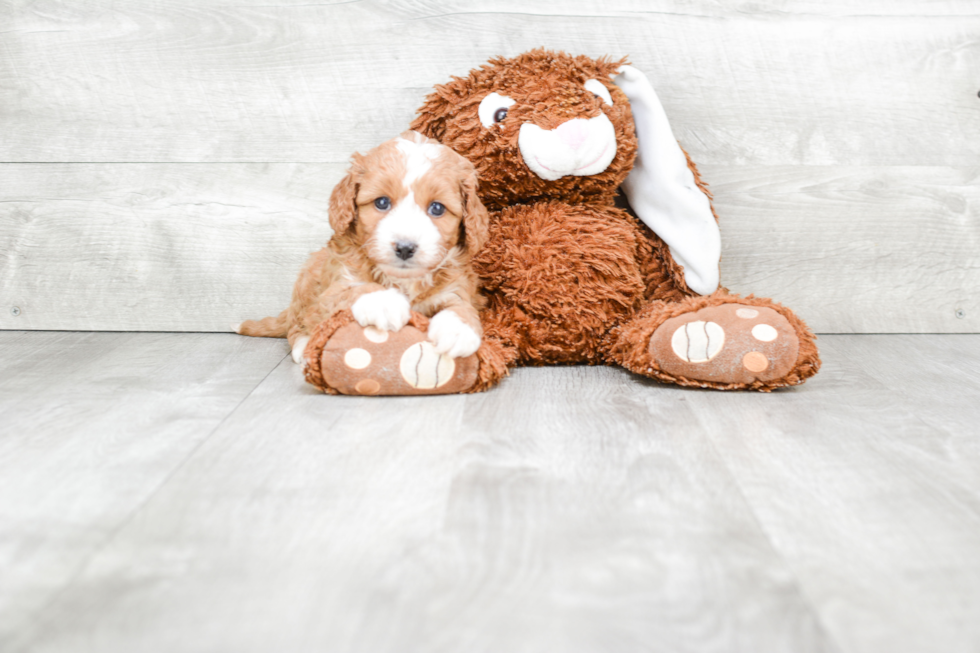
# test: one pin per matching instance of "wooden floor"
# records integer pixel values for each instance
(187, 492)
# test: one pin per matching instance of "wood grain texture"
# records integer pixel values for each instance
(92, 426)
(853, 249)
(869, 483)
(156, 247)
(183, 247)
(573, 510)
(765, 83)
(840, 140)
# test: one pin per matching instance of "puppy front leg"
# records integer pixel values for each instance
(298, 347)
(307, 315)
(456, 331)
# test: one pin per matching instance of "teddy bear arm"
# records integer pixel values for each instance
(663, 276)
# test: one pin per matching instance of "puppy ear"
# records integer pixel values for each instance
(663, 191)
(343, 202)
(476, 221)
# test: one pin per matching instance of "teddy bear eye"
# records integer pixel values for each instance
(599, 90)
(493, 109)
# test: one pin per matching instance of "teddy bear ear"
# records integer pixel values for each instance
(435, 112)
(663, 191)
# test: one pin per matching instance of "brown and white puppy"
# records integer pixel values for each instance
(406, 221)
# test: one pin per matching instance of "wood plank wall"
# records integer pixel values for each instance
(165, 164)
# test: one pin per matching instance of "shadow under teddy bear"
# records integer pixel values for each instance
(569, 277)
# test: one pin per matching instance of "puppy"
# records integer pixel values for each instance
(406, 221)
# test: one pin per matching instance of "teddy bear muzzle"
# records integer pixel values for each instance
(579, 147)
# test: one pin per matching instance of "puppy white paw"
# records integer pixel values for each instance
(298, 348)
(386, 309)
(451, 336)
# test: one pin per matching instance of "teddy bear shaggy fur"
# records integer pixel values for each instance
(570, 275)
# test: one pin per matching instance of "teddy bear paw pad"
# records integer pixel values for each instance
(729, 343)
(370, 361)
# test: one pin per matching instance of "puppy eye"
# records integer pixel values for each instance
(599, 90)
(382, 203)
(436, 209)
(493, 109)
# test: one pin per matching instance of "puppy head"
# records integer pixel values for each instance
(411, 204)
(541, 125)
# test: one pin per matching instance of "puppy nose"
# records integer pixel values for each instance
(573, 133)
(405, 250)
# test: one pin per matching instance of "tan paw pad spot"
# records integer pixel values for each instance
(374, 334)
(698, 342)
(755, 361)
(368, 387)
(424, 368)
(357, 358)
(764, 333)
(747, 313)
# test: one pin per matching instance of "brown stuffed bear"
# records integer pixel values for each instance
(569, 277)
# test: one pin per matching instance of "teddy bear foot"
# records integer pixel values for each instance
(360, 360)
(346, 358)
(738, 345)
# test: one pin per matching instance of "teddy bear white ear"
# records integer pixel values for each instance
(662, 191)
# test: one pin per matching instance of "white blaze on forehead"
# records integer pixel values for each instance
(418, 158)
(406, 221)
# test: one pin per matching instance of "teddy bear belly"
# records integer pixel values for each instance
(558, 277)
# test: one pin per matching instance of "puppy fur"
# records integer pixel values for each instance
(364, 266)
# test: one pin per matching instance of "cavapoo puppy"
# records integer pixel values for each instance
(406, 221)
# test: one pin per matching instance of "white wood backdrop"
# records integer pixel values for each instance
(165, 165)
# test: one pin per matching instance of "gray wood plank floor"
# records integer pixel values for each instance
(187, 492)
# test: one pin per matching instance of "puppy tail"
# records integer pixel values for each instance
(267, 327)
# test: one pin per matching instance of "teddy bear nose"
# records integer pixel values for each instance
(573, 133)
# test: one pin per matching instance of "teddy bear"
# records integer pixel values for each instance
(603, 245)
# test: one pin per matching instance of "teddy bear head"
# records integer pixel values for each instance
(539, 126)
